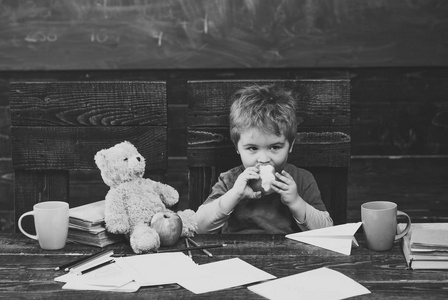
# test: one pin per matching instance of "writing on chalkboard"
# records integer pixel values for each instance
(108, 22)
(224, 33)
(40, 36)
(95, 36)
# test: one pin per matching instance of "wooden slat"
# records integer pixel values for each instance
(88, 103)
(321, 149)
(212, 146)
(6, 186)
(320, 102)
(75, 147)
(200, 182)
(32, 187)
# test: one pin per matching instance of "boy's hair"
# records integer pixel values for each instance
(268, 108)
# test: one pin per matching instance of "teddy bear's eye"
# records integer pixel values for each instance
(126, 159)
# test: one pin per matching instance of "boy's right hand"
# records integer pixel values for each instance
(241, 186)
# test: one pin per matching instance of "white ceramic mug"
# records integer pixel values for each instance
(379, 220)
(51, 223)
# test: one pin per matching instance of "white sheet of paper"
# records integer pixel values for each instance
(111, 275)
(107, 278)
(130, 287)
(158, 268)
(73, 273)
(339, 238)
(322, 283)
(224, 274)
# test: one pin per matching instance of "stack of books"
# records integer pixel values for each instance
(425, 246)
(86, 226)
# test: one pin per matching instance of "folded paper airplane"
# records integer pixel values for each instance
(336, 238)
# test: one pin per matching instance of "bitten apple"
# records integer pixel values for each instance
(267, 176)
(169, 227)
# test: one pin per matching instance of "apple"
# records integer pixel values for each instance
(168, 225)
(263, 184)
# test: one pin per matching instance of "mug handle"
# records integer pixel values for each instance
(408, 225)
(30, 213)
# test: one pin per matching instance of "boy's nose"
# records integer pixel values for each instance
(263, 158)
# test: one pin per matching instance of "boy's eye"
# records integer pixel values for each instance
(252, 148)
(277, 147)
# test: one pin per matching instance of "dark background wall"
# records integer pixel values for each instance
(394, 52)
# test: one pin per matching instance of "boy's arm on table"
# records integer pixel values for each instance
(315, 219)
(210, 217)
(316, 215)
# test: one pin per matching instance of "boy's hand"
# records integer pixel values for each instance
(286, 187)
(241, 186)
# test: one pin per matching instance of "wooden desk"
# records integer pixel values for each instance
(26, 271)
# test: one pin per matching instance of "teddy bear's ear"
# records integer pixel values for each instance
(100, 158)
(129, 145)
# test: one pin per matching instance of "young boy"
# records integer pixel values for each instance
(263, 128)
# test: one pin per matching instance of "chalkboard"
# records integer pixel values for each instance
(166, 34)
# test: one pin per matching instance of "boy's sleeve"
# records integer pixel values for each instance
(316, 215)
(209, 215)
(315, 219)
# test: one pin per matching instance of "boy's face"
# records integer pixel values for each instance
(256, 146)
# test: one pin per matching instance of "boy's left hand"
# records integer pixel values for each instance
(286, 187)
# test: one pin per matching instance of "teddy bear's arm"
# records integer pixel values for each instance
(168, 194)
(116, 217)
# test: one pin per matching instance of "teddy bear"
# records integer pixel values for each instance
(132, 200)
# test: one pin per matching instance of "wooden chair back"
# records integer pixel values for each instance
(57, 127)
(322, 143)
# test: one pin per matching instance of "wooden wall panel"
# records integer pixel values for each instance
(417, 184)
(104, 103)
(74, 148)
(388, 106)
(318, 104)
(394, 111)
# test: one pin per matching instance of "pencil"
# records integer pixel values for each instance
(83, 260)
(67, 265)
(197, 245)
(191, 248)
(96, 267)
(187, 244)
